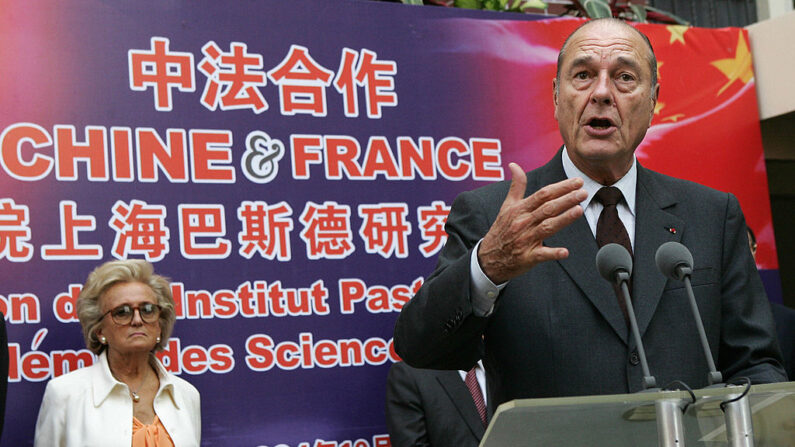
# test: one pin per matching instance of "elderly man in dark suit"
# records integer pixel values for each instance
(516, 285)
(434, 408)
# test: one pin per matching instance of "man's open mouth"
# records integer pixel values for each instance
(600, 123)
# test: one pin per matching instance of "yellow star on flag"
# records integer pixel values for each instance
(659, 64)
(738, 67)
(677, 33)
(674, 117)
(658, 107)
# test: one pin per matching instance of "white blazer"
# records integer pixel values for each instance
(89, 407)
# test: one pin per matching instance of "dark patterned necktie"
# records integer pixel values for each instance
(471, 382)
(610, 229)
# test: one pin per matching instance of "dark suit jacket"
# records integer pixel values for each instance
(785, 328)
(426, 407)
(557, 330)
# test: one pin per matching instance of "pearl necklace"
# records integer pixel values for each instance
(133, 392)
(135, 396)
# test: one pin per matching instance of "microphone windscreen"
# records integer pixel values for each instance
(671, 255)
(612, 258)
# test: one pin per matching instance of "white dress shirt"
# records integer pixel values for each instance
(89, 407)
(483, 292)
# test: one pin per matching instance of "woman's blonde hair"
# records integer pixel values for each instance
(107, 275)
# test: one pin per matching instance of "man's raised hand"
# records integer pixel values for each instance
(515, 242)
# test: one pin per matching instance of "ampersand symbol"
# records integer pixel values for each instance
(260, 163)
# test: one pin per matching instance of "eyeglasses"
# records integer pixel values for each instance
(123, 315)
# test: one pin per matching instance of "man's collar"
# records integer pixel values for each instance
(627, 184)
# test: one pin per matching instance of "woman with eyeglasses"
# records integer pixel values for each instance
(126, 398)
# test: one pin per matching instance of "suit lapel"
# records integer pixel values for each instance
(654, 225)
(581, 263)
(459, 394)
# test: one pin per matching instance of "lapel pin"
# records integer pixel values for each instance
(671, 230)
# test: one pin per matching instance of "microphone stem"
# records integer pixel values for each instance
(700, 326)
(648, 381)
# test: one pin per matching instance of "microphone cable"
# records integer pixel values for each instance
(670, 387)
(747, 382)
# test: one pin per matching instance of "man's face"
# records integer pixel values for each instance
(603, 100)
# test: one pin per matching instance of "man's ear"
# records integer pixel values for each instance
(555, 91)
(555, 96)
(655, 97)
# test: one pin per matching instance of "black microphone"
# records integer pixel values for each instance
(675, 261)
(614, 263)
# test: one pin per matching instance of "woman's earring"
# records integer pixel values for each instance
(103, 340)
(157, 339)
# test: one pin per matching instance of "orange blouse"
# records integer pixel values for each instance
(153, 435)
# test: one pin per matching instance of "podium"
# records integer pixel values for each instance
(645, 419)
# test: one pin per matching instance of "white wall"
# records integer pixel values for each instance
(774, 63)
